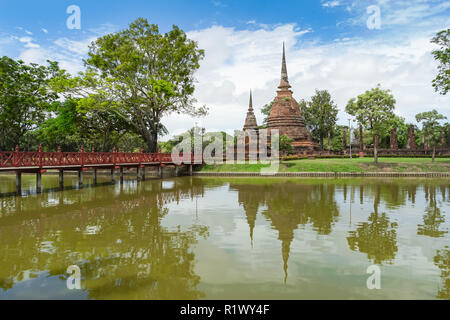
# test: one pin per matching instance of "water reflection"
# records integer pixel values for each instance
(116, 239)
(433, 219)
(377, 238)
(144, 240)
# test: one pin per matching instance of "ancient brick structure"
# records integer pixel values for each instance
(394, 140)
(411, 142)
(250, 121)
(286, 115)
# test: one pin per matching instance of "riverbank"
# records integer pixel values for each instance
(358, 166)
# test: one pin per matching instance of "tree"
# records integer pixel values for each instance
(375, 111)
(266, 111)
(320, 115)
(142, 76)
(442, 82)
(25, 96)
(431, 127)
(286, 144)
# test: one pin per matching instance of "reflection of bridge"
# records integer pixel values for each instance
(39, 162)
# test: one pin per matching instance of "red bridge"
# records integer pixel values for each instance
(39, 162)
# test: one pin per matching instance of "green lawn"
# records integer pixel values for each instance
(343, 165)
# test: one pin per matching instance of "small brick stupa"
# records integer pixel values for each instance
(286, 115)
(250, 121)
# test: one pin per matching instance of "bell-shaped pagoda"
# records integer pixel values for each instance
(286, 115)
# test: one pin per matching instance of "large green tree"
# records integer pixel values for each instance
(142, 76)
(442, 55)
(25, 96)
(431, 127)
(374, 109)
(320, 115)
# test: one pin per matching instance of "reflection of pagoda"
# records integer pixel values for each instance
(288, 206)
(286, 115)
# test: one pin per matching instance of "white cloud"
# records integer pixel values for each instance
(237, 60)
(44, 30)
(331, 4)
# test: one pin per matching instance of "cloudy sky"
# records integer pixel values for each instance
(343, 46)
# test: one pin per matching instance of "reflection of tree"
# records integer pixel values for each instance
(442, 260)
(121, 245)
(432, 219)
(377, 237)
(288, 206)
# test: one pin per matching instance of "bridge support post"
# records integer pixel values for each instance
(95, 176)
(177, 171)
(112, 175)
(61, 179)
(121, 175)
(39, 182)
(138, 173)
(19, 182)
(80, 179)
(190, 170)
(143, 173)
(160, 172)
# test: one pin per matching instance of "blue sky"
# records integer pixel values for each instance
(329, 46)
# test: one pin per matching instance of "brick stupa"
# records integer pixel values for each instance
(286, 115)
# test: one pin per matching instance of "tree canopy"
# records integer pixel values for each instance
(25, 96)
(320, 115)
(141, 75)
(431, 127)
(442, 55)
(374, 109)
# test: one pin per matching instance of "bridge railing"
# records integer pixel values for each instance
(17, 159)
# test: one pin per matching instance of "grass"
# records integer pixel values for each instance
(343, 165)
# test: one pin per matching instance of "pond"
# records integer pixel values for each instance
(226, 238)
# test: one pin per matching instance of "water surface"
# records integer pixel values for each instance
(226, 238)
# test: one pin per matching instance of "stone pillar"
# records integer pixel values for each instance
(160, 172)
(121, 174)
(61, 179)
(361, 139)
(95, 176)
(143, 173)
(411, 141)
(39, 182)
(80, 179)
(394, 139)
(19, 182)
(344, 139)
(112, 176)
(138, 173)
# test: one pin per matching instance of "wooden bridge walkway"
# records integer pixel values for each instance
(40, 162)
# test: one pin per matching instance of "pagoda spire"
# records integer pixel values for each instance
(284, 84)
(250, 121)
(250, 106)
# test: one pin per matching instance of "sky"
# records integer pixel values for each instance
(343, 46)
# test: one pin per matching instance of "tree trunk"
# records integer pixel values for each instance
(375, 148)
(321, 141)
(434, 152)
(329, 141)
